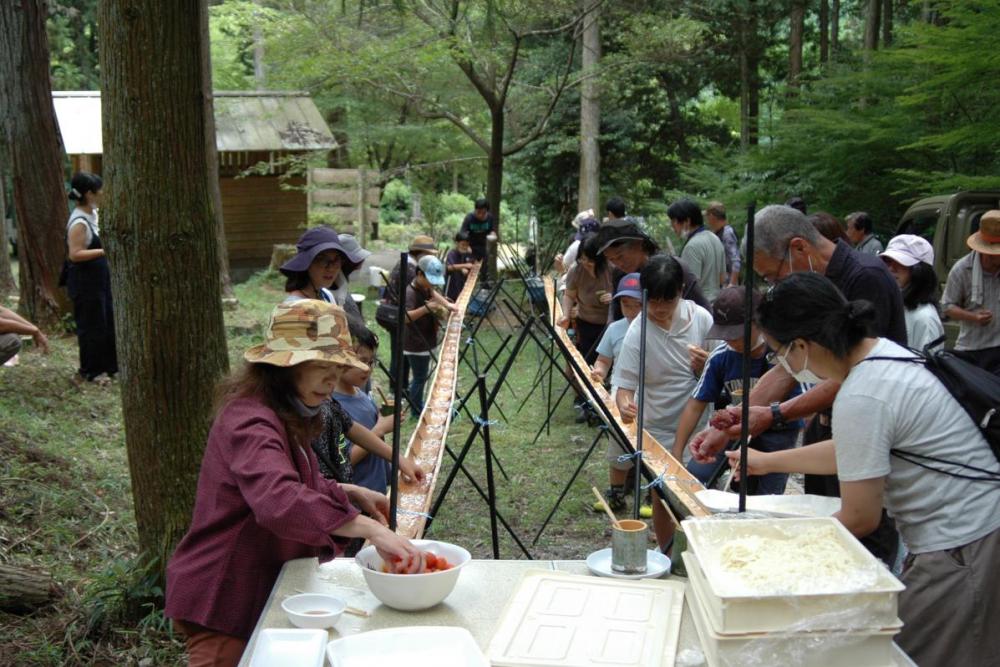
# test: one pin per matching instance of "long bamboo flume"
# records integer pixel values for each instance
(428, 439)
(679, 484)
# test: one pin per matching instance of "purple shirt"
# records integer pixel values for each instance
(261, 501)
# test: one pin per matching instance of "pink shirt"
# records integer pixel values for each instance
(261, 501)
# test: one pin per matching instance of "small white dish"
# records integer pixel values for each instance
(441, 646)
(313, 610)
(280, 647)
(657, 564)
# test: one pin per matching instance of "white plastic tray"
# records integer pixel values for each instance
(792, 505)
(440, 646)
(278, 647)
(562, 620)
(814, 649)
(706, 536)
(738, 615)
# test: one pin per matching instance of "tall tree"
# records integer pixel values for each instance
(749, 59)
(163, 250)
(36, 158)
(796, 29)
(590, 111)
(834, 26)
(824, 31)
(886, 22)
(873, 20)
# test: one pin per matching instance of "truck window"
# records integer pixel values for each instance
(923, 223)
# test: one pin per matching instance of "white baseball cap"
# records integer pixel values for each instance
(909, 250)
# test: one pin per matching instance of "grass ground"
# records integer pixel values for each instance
(66, 508)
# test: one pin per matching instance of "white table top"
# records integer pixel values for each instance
(476, 603)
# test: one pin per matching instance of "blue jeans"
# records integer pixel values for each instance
(772, 483)
(420, 366)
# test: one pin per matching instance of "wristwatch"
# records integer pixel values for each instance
(778, 419)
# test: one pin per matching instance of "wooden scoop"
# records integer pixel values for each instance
(604, 504)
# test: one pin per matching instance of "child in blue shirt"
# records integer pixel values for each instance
(722, 379)
(370, 460)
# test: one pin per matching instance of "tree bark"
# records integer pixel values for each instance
(834, 26)
(749, 80)
(163, 251)
(798, 23)
(36, 158)
(886, 22)
(590, 112)
(824, 31)
(25, 590)
(494, 176)
(873, 19)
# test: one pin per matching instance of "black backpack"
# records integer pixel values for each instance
(976, 390)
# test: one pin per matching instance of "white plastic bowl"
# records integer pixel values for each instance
(298, 608)
(411, 592)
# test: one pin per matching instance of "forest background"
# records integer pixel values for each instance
(851, 105)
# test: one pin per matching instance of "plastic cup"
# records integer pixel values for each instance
(628, 546)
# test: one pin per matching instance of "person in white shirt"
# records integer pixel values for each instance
(674, 325)
(900, 439)
(910, 260)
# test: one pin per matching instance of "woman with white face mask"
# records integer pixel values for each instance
(901, 440)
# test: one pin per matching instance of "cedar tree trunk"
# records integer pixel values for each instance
(590, 112)
(798, 22)
(834, 26)
(161, 228)
(7, 284)
(824, 31)
(873, 18)
(37, 161)
(886, 22)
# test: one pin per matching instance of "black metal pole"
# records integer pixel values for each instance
(641, 402)
(747, 345)
(397, 411)
(491, 491)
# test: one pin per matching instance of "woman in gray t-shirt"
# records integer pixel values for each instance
(901, 440)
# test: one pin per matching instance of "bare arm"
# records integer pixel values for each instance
(817, 459)
(685, 425)
(816, 399)
(601, 368)
(963, 315)
(625, 399)
(78, 245)
(362, 437)
(11, 322)
(568, 301)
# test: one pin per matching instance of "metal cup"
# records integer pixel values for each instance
(628, 546)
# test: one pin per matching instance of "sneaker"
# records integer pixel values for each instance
(615, 497)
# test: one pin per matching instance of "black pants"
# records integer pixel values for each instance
(987, 358)
(883, 543)
(588, 335)
(95, 333)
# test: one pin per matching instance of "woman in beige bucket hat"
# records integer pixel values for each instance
(261, 499)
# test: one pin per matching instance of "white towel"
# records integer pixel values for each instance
(976, 297)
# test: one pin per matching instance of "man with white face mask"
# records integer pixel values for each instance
(786, 242)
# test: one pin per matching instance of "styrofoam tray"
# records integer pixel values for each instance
(814, 649)
(707, 535)
(441, 646)
(563, 620)
(792, 505)
(738, 615)
(278, 647)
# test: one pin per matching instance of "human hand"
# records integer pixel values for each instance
(761, 419)
(597, 375)
(605, 297)
(756, 462)
(41, 340)
(707, 444)
(698, 357)
(410, 470)
(564, 322)
(982, 317)
(375, 505)
(629, 412)
(399, 553)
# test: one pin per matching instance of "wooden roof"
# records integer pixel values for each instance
(244, 121)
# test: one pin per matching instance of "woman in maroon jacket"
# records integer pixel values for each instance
(261, 499)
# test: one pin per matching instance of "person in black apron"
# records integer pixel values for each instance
(88, 282)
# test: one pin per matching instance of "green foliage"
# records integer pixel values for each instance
(395, 205)
(72, 33)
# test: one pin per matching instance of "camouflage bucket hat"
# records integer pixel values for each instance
(306, 330)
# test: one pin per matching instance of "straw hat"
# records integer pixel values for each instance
(422, 244)
(306, 330)
(987, 239)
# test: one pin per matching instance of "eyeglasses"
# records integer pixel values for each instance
(328, 262)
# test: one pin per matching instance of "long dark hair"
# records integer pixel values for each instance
(923, 287)
(810, 307)
(275, 387)
(589, 248)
